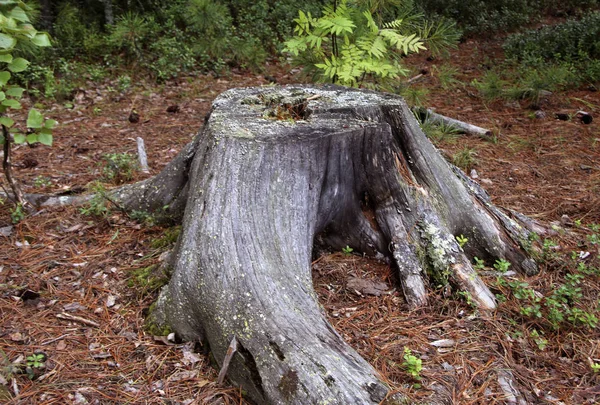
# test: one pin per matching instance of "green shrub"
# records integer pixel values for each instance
(482, 16)
(119, 167)
(571, 40)
(486, 17)
(573, 47)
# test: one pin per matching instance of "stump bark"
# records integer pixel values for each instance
(274, 168)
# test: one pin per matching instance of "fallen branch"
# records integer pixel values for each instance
(69, 317)
(428, 114)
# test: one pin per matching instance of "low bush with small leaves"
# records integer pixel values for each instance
(119, 167)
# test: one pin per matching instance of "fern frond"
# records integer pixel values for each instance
(396, 24)
(374, 46)
(370, 22)
(336, 25)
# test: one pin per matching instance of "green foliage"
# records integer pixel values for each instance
(564, 304)
(413, 95)
(447, 76)
(567, 41)
(119, 168)
(17, 214)
(36, 360)
(348, 46)
(42, 182)
(479, 263)
(491, 86)
(539, 339)
(465, 158)
(97, 205)
(412, 364)
(351, 45)
(462, 240)
(167, 239)
(486, 17)
(16, 34)
(347, 250)
(502, 265)
(440, 132)
(572, 47)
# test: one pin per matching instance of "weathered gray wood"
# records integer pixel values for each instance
(464, 127)
(273, 168)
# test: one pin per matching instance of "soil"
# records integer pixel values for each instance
(74, 288)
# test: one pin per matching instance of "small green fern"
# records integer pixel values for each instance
(347, 46)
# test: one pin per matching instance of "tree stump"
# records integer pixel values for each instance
(275, 167)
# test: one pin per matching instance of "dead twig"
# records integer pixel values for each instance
(69, 317)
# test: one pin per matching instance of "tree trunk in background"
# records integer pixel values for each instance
(46, 15)
(109, 17)
(272, 169)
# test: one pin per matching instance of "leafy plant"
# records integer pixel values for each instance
(347, 46)
(491, 87)
(479, 263)
(97, 205)
(347, 250)
(538, 338)
(36, 360)
(412, 364)
(462, 240)
(447, 76)
(17, 32)
(502, 265)
(119, 167)
(17, 214)
(41, 182)
(414, 96)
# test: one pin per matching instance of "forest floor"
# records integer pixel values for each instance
(74, 288)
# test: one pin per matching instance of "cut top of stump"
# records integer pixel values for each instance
(269, 113)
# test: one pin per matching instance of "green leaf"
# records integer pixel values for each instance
(19, 138)
(7, 121)
(18, 14)
(2, 95)
(45, 139)
(50, 123)
(31, 138)
(7, 41)
(14, 104)
(7, 58)
(1, 139)
(35, 119)
(41, 39)
(18, 65)
(4, 77)
(16, 92)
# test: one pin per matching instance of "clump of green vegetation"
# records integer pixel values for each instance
(17, 214)
(465, 158)
(98, 204)
(485, 17)
(168, 238)
(412, 364)
(564, 304)
(149, 279)
(351, 45)
(566, 54)
(119, 168)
